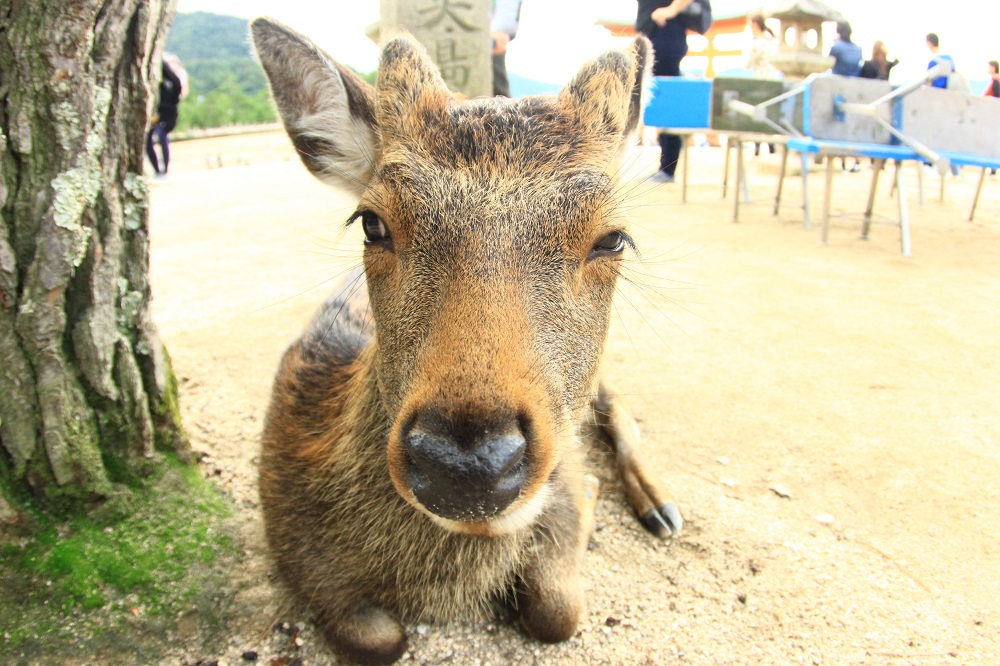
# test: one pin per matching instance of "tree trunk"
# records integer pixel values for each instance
(87, 396)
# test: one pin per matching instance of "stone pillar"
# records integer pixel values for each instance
(456, 34)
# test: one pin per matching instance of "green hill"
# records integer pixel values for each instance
(226, 85)
(201, 36)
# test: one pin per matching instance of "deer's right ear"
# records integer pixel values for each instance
(327, 109)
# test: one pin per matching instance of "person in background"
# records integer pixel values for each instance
(847, 62)
(993, 87)
(934, 45)
(846, 53)
(657, 19)
(880, 65)
(171, 91)
(758, 57)
(178, 68)
(763, 45)
(503, 28)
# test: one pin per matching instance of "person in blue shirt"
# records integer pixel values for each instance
(934, 44)
(847, 62)
(847, 53)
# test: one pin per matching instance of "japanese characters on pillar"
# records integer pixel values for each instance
(456, 34)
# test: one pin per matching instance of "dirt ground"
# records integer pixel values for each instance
(825, 415)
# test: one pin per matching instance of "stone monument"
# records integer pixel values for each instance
(456, 34)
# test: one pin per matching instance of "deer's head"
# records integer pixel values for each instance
(492, 247)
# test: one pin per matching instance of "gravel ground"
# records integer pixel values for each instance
(826, 416)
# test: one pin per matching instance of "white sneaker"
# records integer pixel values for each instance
(660, 177)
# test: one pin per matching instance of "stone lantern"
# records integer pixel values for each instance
(799, 51)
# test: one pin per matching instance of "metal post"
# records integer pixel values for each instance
(920, 182)
(781, 177)
(876, 168)
(979, 189)
(725, 167)
(807, 221)
(685, 145)
(739, 177)
(904, 225)
(828, 196)
(743, 174)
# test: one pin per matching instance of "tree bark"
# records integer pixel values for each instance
(87, 396)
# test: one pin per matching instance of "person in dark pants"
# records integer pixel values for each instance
(165, 120)
(657, 19)
(503, 28)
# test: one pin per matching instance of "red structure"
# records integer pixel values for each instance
(731, 23)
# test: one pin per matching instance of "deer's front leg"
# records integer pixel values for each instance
(652, 504)
(367, 635)
(550, 599)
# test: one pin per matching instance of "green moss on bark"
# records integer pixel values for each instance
(169, 432)
(166, 552)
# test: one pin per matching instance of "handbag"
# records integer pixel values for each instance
(697, 16)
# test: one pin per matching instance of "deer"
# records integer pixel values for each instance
(421, 457)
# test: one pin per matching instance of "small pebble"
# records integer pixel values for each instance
(824, 518)
(779, 490)
(249, 655)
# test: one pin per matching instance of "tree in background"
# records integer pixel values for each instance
(227, 86)
(87, 395)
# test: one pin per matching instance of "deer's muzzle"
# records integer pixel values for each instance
(463, 474)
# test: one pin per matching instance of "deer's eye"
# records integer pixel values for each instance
(610, 245)
(373, 226)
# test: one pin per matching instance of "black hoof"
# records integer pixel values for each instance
(664, 522)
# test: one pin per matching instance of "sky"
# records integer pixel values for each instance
(556, 36)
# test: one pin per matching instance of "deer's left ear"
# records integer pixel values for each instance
(642, 52)
(605, 97)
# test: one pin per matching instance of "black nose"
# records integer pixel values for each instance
(461, 474)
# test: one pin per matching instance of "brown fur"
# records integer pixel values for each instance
(490, 306)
